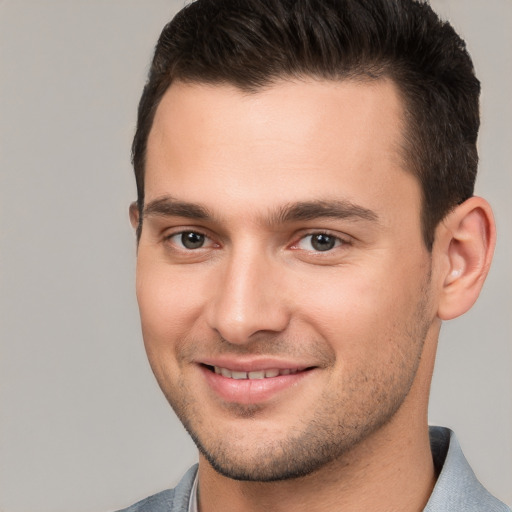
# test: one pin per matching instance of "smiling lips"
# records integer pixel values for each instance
(251, 386)
(254, 375)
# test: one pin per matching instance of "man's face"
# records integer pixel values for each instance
(283, 283)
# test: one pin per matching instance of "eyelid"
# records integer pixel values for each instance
(169, 235)
(343, 239)
(211, 242)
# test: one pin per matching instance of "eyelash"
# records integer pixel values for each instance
(168, 239)
(337, 241)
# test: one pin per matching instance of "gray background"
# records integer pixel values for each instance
(83, 425)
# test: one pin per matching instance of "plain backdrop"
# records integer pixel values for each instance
(83, 426)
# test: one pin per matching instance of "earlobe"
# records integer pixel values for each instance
(466, 245)
(134, 215)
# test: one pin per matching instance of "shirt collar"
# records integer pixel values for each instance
(457, 487)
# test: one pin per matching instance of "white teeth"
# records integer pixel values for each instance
(260, 374)
(256, 375)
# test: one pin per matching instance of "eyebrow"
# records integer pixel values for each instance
(300, 211)
(311, 210)
(169, 207)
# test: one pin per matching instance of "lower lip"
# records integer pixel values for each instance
(251, 391)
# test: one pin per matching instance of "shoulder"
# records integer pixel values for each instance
(170, 500)
(457, 488)
(161, 502)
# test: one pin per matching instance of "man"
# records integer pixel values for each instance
(305, 221)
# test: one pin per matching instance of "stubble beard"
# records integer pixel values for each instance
(343, 420)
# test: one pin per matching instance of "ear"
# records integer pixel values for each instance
(134, 215)
(464, 246)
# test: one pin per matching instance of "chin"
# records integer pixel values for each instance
(268, 458)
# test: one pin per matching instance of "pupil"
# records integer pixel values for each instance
(323, 242)
(192, 240)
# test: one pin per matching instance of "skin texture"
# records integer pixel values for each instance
(251, 180)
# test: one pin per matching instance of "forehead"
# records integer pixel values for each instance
(292, 141)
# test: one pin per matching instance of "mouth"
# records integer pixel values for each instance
(253, 385)
(253, 375)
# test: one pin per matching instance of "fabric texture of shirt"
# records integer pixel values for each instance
(192, 503)
(457, 488)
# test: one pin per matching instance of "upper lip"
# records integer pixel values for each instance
(254, 365)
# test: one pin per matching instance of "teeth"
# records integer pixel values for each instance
(260, 374)
(256, 375)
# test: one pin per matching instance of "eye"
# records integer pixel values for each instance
(189, 240)
(320, 242)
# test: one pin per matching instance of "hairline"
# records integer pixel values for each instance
(364, 74)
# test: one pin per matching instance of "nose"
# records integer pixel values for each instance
(249, 299)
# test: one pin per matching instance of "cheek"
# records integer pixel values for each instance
(166, 303)
(364, 315)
